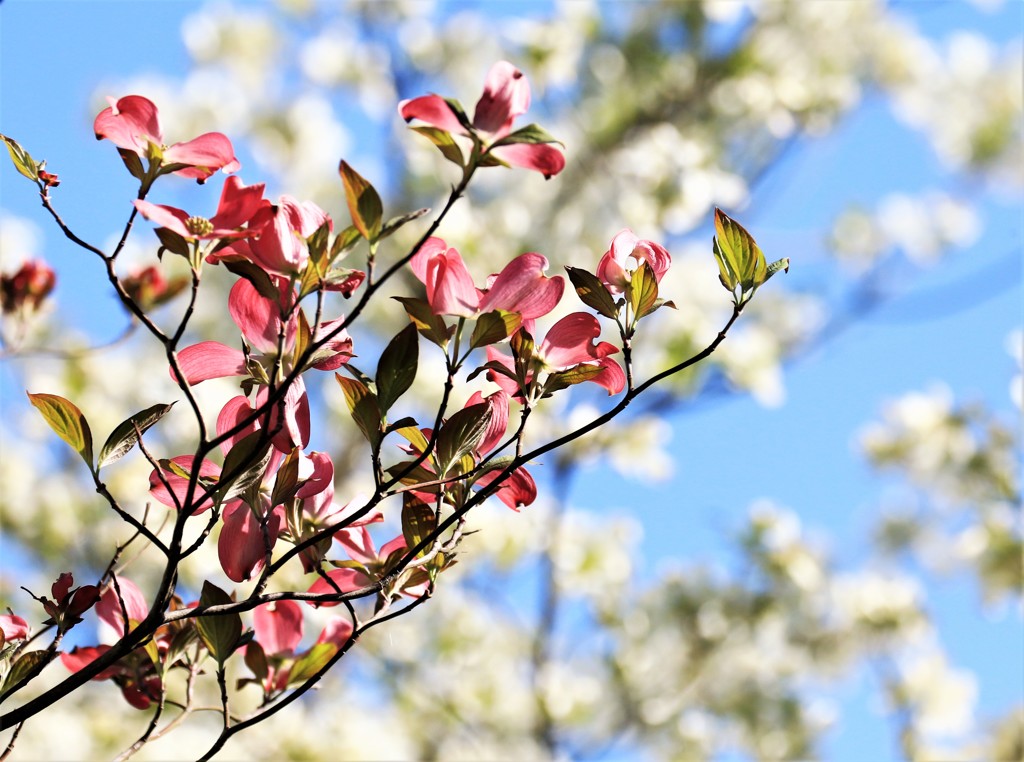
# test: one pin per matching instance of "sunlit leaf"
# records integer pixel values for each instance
(124, 437)
(67, 422)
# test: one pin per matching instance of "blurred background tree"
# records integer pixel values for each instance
(654, 604)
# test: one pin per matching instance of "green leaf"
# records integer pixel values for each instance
(311, 662)
(523, 348)
(286, 482)
(395, 223)
(364, 203)
(432, 326)
(23, 162)
(256, 660)
(460, 434)
(172, 242)
(492, 327)
(219, 633)
(532, 133)
(737, 253)
(397, 367)
(416, 476)
(362, 404)
(643, 291)
(575, 375)
(67, 422)
(344, 241)
(21, 669)
(774, 267)
(317, 245)
(244, 465)
(418, 521)
(123, 438)
(257, 276)
(592, 292)
(414, 436)
(444, 142)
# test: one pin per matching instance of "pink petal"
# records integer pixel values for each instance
(522, 287)
(234, 410)
(506, 96)
(569, 342)
(258, 318)
(241, 547)
(277, 249)
(62, 586)
(337, 631)
(78, 658)
(135, 604)
(393, 546)
(203, 156)
(612, 377)
(316, 471)
(340, 345)
(432, 109)
(209, 359)
(238, 203)
(517, 490)
(306, 217)
(293, 429)
(179, 484)
(346, 580)
(540, 157)
(358, 544)
(168, 217)
(13, 627)
(278, 626)
(450, 288)
(431, 248)
(497, 425)
(131, 123)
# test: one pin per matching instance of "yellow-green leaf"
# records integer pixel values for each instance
(67, 422)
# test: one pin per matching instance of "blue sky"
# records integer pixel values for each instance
(949, 326)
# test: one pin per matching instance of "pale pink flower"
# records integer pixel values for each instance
(625, 255)
(133, 124)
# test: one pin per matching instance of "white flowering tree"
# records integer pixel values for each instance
(551, 638)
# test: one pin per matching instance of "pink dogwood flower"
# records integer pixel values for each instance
(259, 320)
(506, 95)
(520, 287)
(12, 627)
(135, 674)
(373, 563)
(133, 124)
(569, 342)
(24, 291)
(626, 254)
(279, 246)
(238, 203)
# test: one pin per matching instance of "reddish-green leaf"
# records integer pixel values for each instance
(311, 662)
(364, 203)
(244, 465)
(67, 422)
(643, 291)
(124, 437)
(397, 367)
(444, 142)
(532, 133)
(362, 404)
(492, 327)
(257, 276)
(23, 162)
(21, 669)
(418, 521)
(220, 633)
(460, 434)
(592, 292)
(432, 326)
(172, 242)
